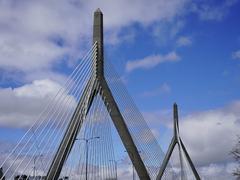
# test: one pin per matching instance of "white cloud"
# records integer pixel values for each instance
(38, 89)
(184, 41)
(217, 171)
(236, 54)
(28, 34)
(216, 12)
(209, 137)
(21, 106)
(125, 172)
(166, 32)
(151, 61)
(116, 37)
(34, 35)
(31, 31)
(163, 89)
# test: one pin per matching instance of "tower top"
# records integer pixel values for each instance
(175, 119)
(98, 38)
(98, 10)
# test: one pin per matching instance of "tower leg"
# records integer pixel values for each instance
(123, 132)
(71, 132)
(182, 172)
(166, 159)
(190, 162)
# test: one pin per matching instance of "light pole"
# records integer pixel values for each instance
(87, 140)
(115, 165)
(131, 154)
(34, 164)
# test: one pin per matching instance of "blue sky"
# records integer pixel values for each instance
(184, 51)
(206, 76)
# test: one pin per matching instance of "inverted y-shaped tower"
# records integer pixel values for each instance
(85, 102)
(176, 140)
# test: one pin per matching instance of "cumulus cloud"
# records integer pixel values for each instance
(34, 35)
(209, 137)
(184, 41)
(217, 171)
(26, 35)
(151, 61)
(21, 106)
(236, 55)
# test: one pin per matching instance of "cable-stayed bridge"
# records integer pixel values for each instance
(73, 136)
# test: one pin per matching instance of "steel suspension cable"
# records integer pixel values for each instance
(20, 151)
(46, 108)
(131, 108)
(29, 150)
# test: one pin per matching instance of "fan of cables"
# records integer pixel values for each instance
(33, 154)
